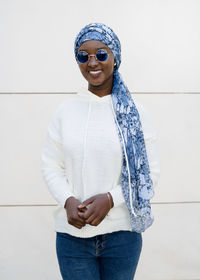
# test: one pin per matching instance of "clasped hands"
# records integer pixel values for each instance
(92, 211)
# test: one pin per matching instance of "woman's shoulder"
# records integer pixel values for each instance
(65, 110)
(71, 101)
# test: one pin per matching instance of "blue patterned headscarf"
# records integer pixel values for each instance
(137, 186)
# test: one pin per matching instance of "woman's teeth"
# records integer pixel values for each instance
(95, 72)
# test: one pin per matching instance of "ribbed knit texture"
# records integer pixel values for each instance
(82, 157)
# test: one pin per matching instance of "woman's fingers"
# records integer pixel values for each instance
(76, 221)
(90, 219)
(90, 211)
(79, 224)
(98, 208)
(81, 214)
(95, 222)
(82, 209)
(72, 212)
(85, 203)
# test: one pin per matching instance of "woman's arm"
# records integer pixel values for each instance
(52, 161)
(53, 170)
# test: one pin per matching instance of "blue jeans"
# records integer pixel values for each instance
(111, 256)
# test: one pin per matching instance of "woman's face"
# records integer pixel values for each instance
(98, 74)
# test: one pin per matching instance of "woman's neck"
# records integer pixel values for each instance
(101, 90)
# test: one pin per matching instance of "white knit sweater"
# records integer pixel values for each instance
(82, 157)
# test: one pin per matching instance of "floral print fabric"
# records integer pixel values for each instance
(137, 186)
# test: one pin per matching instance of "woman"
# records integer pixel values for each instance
(100, 163)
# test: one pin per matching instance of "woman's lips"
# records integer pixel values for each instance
(95, 73)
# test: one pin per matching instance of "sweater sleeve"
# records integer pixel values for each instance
(150, 138)
(117, 195)
(52, 163)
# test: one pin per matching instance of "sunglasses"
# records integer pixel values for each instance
(100, 55)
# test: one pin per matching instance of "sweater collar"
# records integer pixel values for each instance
(85, 92)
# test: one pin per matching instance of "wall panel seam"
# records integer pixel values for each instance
(150, 92)
(41, 205)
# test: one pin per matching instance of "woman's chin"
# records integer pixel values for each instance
(94, 83)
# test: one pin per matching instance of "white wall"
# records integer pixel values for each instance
(160, 42)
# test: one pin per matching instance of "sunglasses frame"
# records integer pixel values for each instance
(89, 55)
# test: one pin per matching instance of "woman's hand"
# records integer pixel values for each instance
(99, 206)
(71, 206)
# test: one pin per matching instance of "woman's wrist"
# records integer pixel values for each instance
(67, 200)
(111, 203)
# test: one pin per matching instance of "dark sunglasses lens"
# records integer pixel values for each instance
(102, 55)
(82, 57)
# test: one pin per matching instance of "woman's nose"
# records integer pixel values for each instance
(92, 61)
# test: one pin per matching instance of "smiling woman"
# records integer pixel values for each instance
(100, 163)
